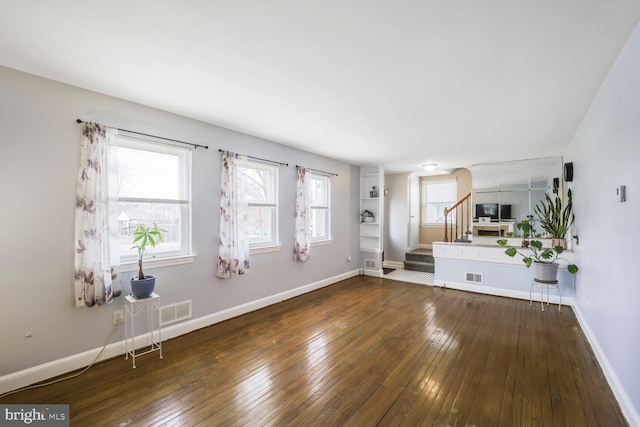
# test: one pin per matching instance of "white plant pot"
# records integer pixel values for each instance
(546, 271)
(368, 219)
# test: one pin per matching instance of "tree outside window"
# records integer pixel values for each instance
(260, 193)
(153, 182)
(320, 209)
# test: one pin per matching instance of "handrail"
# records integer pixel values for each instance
(447, 211)
(458, 203)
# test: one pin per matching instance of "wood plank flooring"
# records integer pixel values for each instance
(363, 352)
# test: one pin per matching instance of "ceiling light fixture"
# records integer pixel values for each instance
(429, 166)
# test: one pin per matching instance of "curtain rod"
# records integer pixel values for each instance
(156, 136)
(316, 170)
(258, 158)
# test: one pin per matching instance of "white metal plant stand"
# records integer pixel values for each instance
(543, 284)
(134, 306)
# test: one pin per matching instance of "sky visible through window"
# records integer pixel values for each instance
(146, 174)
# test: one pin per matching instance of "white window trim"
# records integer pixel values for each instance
(256, 250)
(322, 242)
(274, 246)
(157, 262)
(328, 238)
(168, 258)
(440, 181)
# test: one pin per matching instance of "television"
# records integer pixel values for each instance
(491, 210)
(505, 211)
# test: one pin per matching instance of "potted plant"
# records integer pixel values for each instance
(366, 216)
(544, 259)
(143, 285)
(526, 225)
(556, 219)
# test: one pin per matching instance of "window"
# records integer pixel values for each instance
(320, 212)
(154, 187)
(261, 194)
(436, 197)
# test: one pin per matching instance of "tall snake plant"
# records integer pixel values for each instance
(553, 217)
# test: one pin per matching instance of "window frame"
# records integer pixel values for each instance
(157, 256)
(274, 243)
(424, 184)
(327, 238)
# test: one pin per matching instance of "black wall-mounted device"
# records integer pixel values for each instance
(568, 172)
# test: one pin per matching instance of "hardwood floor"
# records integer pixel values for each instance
(366, 351)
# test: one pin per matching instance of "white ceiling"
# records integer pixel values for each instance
(398, 83)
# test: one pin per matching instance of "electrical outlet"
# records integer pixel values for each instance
(117, 317)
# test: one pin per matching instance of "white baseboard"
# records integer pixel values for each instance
(510, 293)
(57, 367)
(629, 411)
(211, 319)
(393, 264)
(622, 397)
(374, 273)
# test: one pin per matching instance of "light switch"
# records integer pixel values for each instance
(621, 193)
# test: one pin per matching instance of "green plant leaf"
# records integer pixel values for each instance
(536, 244)
(528, 261)
(572, 268)
(547, 254)
(511, 252)
(502, 242)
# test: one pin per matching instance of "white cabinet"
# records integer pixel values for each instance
(372, 200)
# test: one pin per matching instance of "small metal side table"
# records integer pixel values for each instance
(134, 306)
(543, 284)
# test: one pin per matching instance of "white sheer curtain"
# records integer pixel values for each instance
(233, 242)
(302, 247)
(97, 259)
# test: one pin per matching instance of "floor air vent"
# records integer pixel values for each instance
(473, 277)
(370, 264)
(175, 312)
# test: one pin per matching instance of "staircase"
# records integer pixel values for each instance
(420, 260)
(465, 238)
(457, 229)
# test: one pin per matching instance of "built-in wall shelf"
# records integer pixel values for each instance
(372, 199)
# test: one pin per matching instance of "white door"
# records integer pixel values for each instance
(414, 212)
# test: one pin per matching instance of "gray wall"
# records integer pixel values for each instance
(501, 276)
(605, 152)
(39, 155)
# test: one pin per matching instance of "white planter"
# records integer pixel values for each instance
(368, 219)
(546, 271)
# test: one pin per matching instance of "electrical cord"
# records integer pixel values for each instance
(9, 393)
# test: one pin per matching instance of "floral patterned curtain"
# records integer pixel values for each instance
(97, 258)
(233, 243)
(302, 247)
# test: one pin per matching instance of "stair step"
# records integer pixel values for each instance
(427, 267)
(462, 241)
(420, 256)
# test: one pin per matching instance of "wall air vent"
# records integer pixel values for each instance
(370, 264)
(473, 277)
(175, 312)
